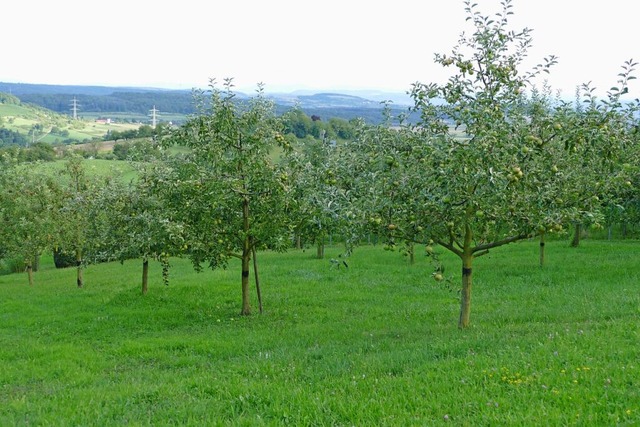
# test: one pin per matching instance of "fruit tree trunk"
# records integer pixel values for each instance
(542, 243)
(576, 237)
(320, 248)
(145, 276)
(467, 261)
(465, 299)
(246, 258)
(79, 275)
(30, 274)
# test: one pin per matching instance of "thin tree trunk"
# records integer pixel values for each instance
(145, 275)
(246, 258)
(79, 275)
(467, 262)
(609, 232)
(30, 274)
(624, 230)
(255, 273)
(320, 248)
(412, 254)
(542, 249)
(576, 236)
(298, 241)
(465, 299)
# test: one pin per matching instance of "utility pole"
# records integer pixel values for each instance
(154, 118)
(74, 108)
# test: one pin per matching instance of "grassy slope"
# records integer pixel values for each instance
(376, 344)
(21, 118)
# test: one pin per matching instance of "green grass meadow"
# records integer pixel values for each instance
(375, 344)
(94, 167)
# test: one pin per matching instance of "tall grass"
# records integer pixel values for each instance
(376, 343)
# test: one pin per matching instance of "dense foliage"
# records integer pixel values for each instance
(9, 137)
(228, 190)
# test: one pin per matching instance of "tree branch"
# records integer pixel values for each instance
(495, 244)
(450, 247)
(479, 254)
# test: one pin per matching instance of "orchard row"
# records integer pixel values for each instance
(492, 159)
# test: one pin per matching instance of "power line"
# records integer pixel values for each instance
(154, 118)
(74, 108)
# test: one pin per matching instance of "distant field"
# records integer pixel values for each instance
(376, 344)
(100, 129)
(8, 110)
(140, 118)
(21, 119)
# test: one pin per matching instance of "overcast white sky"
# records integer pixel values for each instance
(293, 44)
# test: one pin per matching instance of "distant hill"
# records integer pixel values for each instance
(139, 100)
(324, 100)
(400, 99)
(19, 89)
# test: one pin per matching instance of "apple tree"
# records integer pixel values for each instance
(71, 212)
(6, 167)
(26, 220)
(311, 171)
(230, 191)
(130, 220)
(602, 137)
(383, 167)
(484, 164)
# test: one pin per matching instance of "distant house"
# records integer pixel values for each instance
(103, 121)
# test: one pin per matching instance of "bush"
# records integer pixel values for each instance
(10, 266)
(136, 150)
(63, 259)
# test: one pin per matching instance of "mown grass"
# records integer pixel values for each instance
(374, 344)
